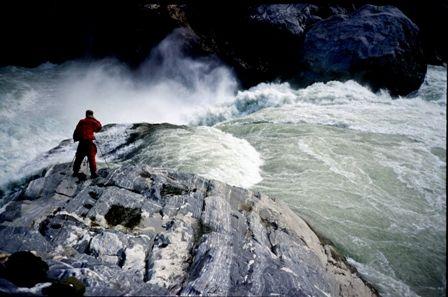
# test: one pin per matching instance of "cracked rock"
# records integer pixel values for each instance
(138, 230)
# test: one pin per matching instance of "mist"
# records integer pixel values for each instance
(168, 87)
(41, 106)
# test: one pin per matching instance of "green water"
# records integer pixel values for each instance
(356, 188)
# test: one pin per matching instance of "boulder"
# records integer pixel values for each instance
(376, 45)
(261, 42)
(139, 230)
(305, 43)
(294, 18)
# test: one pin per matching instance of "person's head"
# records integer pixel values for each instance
(89, 113)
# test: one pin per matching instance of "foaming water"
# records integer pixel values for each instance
(346, 105)
(206, 151)
(41, 106)
(367, 171)
(110, 139)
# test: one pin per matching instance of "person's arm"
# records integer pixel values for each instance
(76, 132)
(98, 126)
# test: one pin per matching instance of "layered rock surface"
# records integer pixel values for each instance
(138, 230)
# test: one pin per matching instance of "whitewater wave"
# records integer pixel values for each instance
(42, 105)
(107, 141)
(394, 288)
(365, 169)
(343, 104)
(205, 151)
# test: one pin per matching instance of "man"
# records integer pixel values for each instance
(84, 133)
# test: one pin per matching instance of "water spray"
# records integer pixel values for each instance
(102, 155)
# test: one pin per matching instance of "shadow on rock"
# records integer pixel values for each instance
(128, 217)
(24, 269)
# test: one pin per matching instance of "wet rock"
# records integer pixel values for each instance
(12, 211)
(145, 231)
(34, 189)
(294, 18)
(17, 238)
(309, 42)
(273, 31)
(376, 45)
(70, 286)
(171, 190)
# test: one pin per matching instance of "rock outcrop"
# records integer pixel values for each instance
(261, 42)
(376, 45)
(246, 35)
(306, 43)
(139, 230)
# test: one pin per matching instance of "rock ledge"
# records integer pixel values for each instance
(138, 230)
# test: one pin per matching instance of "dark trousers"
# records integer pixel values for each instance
(86, 148)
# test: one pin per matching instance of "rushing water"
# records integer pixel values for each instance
(367, 171)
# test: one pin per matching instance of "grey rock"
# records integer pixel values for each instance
(35, 188)
(293, 18)
(377, 45)
(7, 287)
(23, 238)
(309, 42)
(13, 209)
(235, 32)
(195, 237)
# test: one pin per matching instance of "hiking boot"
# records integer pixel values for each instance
(94, 175)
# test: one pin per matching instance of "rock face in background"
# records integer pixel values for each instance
(143, 231)
(376, 45)
(306, 43)
(34, 32)
(429, 16)
(262, 41)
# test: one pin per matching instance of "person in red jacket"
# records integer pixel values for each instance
(84, 133)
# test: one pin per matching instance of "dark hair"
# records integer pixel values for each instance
(89, 113)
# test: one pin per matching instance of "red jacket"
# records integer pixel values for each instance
(85, 129)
